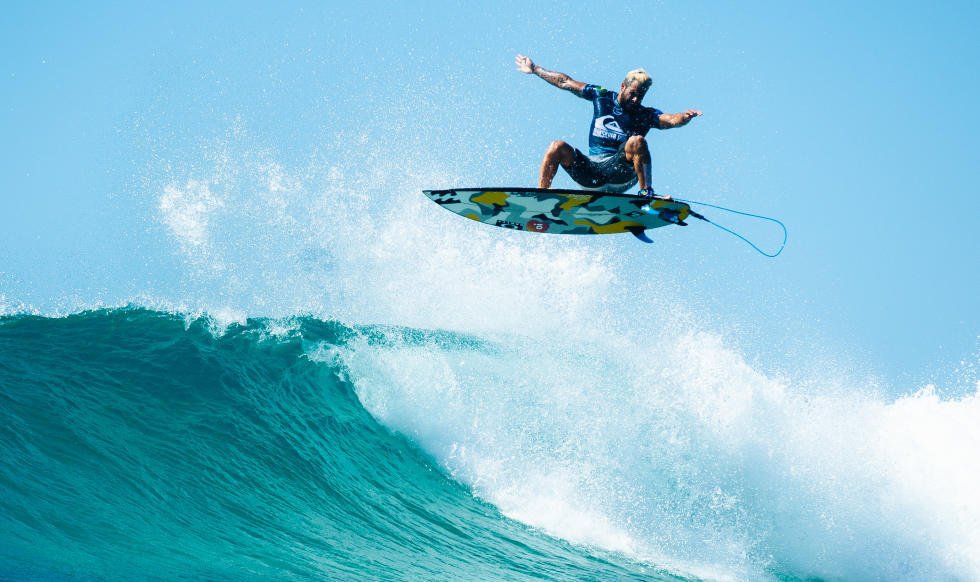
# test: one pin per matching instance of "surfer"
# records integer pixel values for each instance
(618, 153)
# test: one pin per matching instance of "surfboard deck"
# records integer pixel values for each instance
(557, 211)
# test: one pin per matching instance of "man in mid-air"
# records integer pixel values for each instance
(618, 153)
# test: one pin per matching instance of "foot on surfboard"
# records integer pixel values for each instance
(649, 193)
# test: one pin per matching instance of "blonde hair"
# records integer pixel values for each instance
(638, 76)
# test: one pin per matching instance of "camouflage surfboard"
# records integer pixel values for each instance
(561, 211)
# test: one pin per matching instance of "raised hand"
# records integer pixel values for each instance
(524, 64)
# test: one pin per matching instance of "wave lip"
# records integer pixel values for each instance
(689, 458)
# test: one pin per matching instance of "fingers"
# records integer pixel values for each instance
(523, 63)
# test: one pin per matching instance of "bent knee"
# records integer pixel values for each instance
(636, 146)
(636, 143)
(559, 151)
(558, 146)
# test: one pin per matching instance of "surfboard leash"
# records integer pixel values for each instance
(732, 232)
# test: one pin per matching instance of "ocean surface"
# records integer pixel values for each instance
(137, 443)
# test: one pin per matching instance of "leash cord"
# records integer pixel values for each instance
(732, 232)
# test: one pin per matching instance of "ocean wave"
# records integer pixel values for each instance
(142, 443)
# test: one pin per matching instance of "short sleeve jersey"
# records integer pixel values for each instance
(611, 126)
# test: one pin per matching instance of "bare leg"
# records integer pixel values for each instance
(559, 153)
(638, 154)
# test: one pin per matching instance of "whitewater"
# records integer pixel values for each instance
(349, 382)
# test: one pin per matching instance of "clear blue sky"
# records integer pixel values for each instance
(856, 124)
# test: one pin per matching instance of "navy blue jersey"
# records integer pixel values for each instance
(611, 126)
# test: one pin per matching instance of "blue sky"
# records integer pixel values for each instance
(854, 124)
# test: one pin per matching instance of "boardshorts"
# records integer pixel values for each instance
(606, 172)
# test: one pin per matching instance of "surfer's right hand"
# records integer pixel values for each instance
(524, 64)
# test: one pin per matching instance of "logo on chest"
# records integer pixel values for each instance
(606, 127)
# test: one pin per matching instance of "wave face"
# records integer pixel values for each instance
(138, 443)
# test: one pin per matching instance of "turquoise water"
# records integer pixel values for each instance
(138, 443)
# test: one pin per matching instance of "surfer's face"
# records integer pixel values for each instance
(631, 95)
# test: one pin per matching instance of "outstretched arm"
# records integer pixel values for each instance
(669, 120)
(560, 80)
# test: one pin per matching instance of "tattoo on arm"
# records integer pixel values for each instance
(560, 80)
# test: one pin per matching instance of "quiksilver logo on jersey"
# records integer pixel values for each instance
(606, 127)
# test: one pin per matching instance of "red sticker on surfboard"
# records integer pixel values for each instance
(537, 226)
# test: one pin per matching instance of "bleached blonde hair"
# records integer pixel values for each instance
(638, 76)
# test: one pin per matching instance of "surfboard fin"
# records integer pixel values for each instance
(641, 234)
